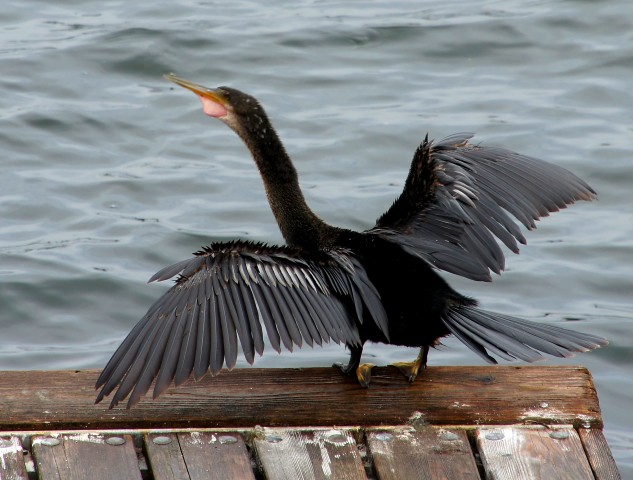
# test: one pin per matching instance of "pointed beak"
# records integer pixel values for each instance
(213, 100)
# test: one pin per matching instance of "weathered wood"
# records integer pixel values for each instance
(599, 454)
(319, 454)
(85, 457)
(425, 454)
(408, 451)
(12, 459)
(165, 457)
(198, 455)
(215, 456)
(501, 395)
(528, 453)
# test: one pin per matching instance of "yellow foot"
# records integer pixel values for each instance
(409, 369)
(363, 373)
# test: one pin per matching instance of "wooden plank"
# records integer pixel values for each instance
(12, 459)
(319, 454)
(425, 454)
(165, 457)
(198, 455)
(243, 398)
(215, 456)
(599, 454)
(86, 456)
(529, 453)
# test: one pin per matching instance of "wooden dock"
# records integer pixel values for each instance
(501, 422)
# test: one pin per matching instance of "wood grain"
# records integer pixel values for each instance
(198, 456)
(12, 459)
(85, 457)
(530, 453)
(319, 455)
(425, 454)
(165, 457)
(215, 456)
(599, 454)
(496, 395)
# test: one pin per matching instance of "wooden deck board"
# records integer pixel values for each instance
(599, 454)
(501, 395)
(198, 456)
(85, 456)
(215, 456)
(12, 459)
(528, 453)
(315, 423)
(164, 456)
(425, 454)
(396, 452)
(318, 454)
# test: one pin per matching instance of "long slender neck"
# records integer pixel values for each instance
(299, 225)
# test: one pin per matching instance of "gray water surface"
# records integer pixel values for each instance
(109, 173)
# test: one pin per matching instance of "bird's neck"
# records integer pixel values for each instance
(299, 225)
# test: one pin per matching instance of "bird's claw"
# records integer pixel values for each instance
(363, 372)
(345, 369)
(409, 369)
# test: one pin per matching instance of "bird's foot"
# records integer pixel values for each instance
(409, 369)
(345, 369)
(362, 372)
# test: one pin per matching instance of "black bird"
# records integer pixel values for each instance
(331, 283)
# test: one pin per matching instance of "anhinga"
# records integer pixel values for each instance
(329, 283)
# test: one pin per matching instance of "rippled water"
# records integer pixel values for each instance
(108, 173)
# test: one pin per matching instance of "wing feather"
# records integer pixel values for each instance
(459, 199)
(236, 291)
(216, 338)
(145, 365)
(203, 343)
(266, 316)
(229, 329)
(251, 311)
(171, 354)
(188, 348)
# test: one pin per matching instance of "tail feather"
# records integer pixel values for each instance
(498, 342)
(513, 338)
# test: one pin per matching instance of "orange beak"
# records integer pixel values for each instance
(214, 103)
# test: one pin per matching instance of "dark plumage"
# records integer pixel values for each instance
(330, 283)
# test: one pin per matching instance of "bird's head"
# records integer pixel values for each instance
(238, 110)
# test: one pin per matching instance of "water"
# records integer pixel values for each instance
(109, 173)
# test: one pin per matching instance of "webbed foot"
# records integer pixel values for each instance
(411, 369)
(363, 374)
(354, 367)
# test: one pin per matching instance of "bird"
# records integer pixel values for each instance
(327, 283)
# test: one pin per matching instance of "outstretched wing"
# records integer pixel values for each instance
(236, 291)
(459, 199)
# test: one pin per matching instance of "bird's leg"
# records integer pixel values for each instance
(411, 369)
(363, 372)
(354, 360)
